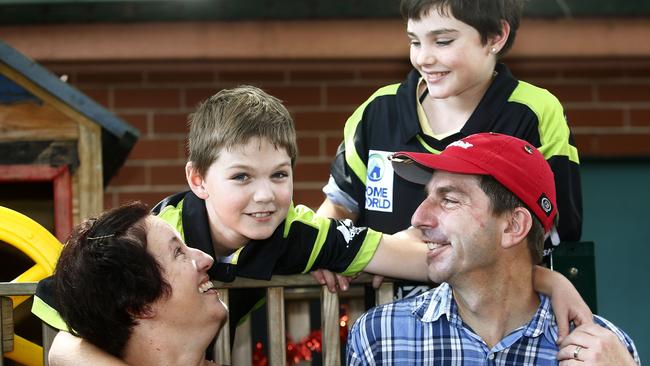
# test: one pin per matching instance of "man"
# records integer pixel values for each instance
(490, 202)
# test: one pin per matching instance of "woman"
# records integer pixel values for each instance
(126, 283)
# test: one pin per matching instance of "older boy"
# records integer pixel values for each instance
(457, 87)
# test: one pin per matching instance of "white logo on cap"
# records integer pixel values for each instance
(460, 143)
(546, 205)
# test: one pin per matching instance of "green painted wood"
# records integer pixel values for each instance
(616, 218)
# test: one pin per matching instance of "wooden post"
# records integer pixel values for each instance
(384, 294)
(49, 333)
(6, 327)
(330, 323)
(276, 331)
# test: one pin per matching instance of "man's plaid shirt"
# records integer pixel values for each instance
(427, 330)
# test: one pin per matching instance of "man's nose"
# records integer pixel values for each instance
(425, 215)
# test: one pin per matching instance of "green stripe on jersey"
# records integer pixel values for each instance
(48, 314)
(365, 254)
(553, 129)
(306, 216)
(174, 217)
(351, 155)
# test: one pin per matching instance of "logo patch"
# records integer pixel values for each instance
(379, 182)
(545, 204)
(348, 230)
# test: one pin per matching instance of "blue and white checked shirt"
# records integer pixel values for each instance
(427, 330)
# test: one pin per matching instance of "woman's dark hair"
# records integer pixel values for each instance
(105, 278)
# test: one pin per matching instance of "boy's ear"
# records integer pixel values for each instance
(195, 181)
(519, 223)
(497, 41)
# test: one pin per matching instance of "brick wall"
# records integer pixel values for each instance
(607, 102)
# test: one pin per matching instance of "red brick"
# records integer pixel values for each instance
(321, 75)
(332, 145)
(613, 145)
(640, 117)
(296, 95)
(130, 176)
(308, 146)
(321, 120)
(571, 92)
(180, 76)
(624, 92)
(157, 149)
(595, 117)
(194, 96)
(168, 175)
(311, 198)
(251, 76)
(137, 120)
(149, 198)
(600, 72)
(147, 98)
(170, 123)
(349, 95)
(99, 95)
(109, 77)
(311, 172)
(109, 199)
(386, 76)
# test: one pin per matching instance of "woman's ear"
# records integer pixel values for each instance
(195, 181)
(519, 223)
(498, 41)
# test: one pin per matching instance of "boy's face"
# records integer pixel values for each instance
(450, 56)
(248, 193)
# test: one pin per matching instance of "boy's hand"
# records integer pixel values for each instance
(332, 280)
(567, 304)
(591, 344)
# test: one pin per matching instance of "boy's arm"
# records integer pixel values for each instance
(401, 255)
(70, 350)
(568, 305)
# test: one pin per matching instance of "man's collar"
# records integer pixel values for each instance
(430, 306)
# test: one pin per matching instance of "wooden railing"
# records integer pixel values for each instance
(275, 290)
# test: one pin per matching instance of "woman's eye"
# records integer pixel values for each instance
(444, 43)
(414, 43)
(178, 252)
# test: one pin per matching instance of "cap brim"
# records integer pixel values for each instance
(418, 167)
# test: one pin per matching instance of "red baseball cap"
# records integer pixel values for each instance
(513, 162)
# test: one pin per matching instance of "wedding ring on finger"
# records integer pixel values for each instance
(576, 352)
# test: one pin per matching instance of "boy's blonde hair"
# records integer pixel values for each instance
(231, 118)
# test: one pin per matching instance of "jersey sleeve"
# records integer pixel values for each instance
(558, 147)
(622, 336)
(306, 242)
(44, 307)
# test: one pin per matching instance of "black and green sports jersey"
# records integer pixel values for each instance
(388, 122)
(302, 242)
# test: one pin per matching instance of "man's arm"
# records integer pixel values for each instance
(70, 350)
(568, 305)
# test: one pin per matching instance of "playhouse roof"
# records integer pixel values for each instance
(118, 137)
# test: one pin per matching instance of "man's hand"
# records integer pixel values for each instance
(591, 344)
